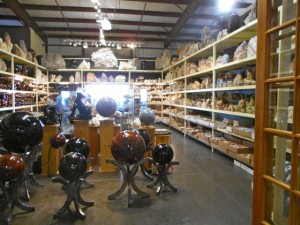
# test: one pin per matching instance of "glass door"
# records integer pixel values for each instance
(276, 198)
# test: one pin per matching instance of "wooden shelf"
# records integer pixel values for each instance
(234, 113)
(236, 88)
(236, 64)
(232, 134)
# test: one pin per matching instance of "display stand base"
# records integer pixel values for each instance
(162, 177)
(73, 190)
(128, 180)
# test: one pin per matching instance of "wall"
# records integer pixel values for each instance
(17, 34)
(36, 43)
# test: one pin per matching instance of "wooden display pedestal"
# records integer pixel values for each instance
(53, 162)
(107, 133)
(90, 134)
(151, 131)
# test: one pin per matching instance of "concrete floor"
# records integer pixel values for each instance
(211, 191)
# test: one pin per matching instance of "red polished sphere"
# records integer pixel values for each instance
(11, 167)
(57, 141)
(128, 147)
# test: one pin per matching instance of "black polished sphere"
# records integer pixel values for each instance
(77, 144)
(162, 154)
(11, 167)
(19, 130)
(72, 166)
(57, 141)
(145, 135)
(128, 147)
(106, 106)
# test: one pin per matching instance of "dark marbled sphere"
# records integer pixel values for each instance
(162, 154)
(77, 144)
(147, 117)
(106, 106)
(19, 130)
(57, 141)
(128, 147)
(72, 166)
(11, 167)
(145, 135)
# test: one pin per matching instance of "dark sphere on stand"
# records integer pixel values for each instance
(57, 141)
(162, 154)
(11, 167)
(106, 106)
(145, 135)
(19, 130)
(77, 144)
(147, 117)
(128, 147)
(72, 166)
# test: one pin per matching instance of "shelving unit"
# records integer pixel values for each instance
(199, 114)
(21, 89)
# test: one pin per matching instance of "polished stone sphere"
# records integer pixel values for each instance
(162, 154)
(128, 147)
(145, 135)
(77, 144)
(147, 117)
(72, 166)
(19, 130)
(106, 106)
(57, 141)
(11, 167)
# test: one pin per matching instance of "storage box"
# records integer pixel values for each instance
(219, 148)
(236, 130)
(239, 149)
(231, 154)
(243, 158)
(229, 129)
(224, 144)
(228, 121)
(243, 123)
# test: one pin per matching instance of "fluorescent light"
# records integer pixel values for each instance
(225, 5)
(106, 24)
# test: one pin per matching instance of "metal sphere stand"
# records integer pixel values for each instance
(73, 190)
(145, 172)
(11, 199)
(162, 177)
(128, 179)
(29, 157)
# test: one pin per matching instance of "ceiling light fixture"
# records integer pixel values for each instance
(85, 44)
(225, 5)
(106, 24)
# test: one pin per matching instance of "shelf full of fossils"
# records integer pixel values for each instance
(22, 80)
(211, 96)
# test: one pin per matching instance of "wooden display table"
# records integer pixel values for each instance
(107, 132)
(82, 129)
(53, 161)
(162, 136)
(94, 144)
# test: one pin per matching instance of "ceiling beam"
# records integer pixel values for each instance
(186, 15)
(24, 16)
(114, 38)
(115, 22)
(96, 30)
(180, 2)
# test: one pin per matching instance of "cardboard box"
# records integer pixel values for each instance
(243, 123)
(251, 156)
(239, 149)
(224, 144)
(228, 121)
(219, 148)
(229, 129)
(233, 139)
(236, 130)
(243, 158)
(231, 154)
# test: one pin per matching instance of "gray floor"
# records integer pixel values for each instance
(211, 191)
